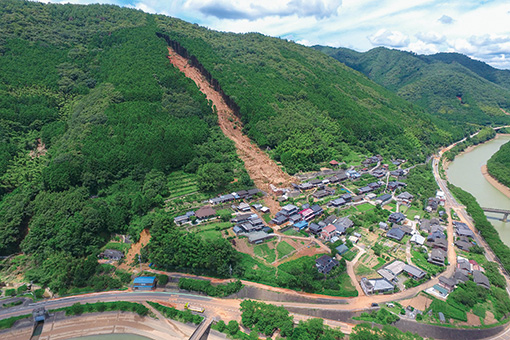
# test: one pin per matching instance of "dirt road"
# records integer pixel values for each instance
(262, 170)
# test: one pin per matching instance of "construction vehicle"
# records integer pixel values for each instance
(193, 308)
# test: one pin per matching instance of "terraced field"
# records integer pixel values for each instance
(181, 184)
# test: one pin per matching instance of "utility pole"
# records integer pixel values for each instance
(140, 262)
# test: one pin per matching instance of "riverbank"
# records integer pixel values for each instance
(494, 182)
(60, 327)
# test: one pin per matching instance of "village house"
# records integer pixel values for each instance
(305, 186)
(295, 218)
(405, 197)
(481, 280)
(180, 220)
(397, 173)
(323, 193)
(392, 270)
(383, 225)
(314, 228)
(365, 190)
(460, 276)
(330, 219)
(425, 225)
(347, 197)
(432, 204)
(307, 214)
(353, 174)
(259, 237)
(446, 283)
(289, 210)
(241, 218)
(358, 198)
(395, 233)
(397, 217)
(243, 207)
(461, 229)
(111, 254)
(417, 239)
(301, 225)
(328, 232)
(325, 264)
(342, 249)
(279, 219)
(437, 256)
(439, 243)
(414, 272)
(376, 286)
(205, 212)
(378, 173)
(383, 199)
(463, 245)
(317, 210)
(395, 185)
(337, 202)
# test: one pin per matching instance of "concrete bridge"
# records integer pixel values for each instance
(504, 212)
(202, 331)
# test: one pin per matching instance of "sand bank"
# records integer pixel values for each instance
(494, 182)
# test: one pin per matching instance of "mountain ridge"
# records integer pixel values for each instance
(436, 82)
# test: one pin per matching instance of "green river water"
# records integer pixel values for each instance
(465, 172)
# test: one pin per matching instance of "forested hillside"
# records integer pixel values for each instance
(305, 106)
(93, 121)
(499, 165)
(451, 85)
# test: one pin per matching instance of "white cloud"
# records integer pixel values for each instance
(252, 10)
(421, 47)
(431, 37)
(383, 37)
(462, 46)
(478, 29)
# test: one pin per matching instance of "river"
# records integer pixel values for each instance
(465, 172)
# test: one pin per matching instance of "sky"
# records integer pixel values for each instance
(479, 29)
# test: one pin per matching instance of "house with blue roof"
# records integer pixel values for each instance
(144, 283)
(301, 225)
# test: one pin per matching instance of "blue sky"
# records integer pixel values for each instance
(479, 29)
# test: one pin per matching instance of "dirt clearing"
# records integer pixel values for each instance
(262, 169)
(420, 302)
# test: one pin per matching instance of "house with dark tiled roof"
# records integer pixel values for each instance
(383, 199)
(481, 280)
(439, 243)
(437, 256)
(347, 197)
(414, 272)
(337, 202)
(463, 245)
(314, 228)
(317, 210)
(325, 264)
(447, 283)
(396, 234)
(397, 217)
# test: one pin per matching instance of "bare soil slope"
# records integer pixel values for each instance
(262, 170)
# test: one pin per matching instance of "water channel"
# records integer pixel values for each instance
(465, 172)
